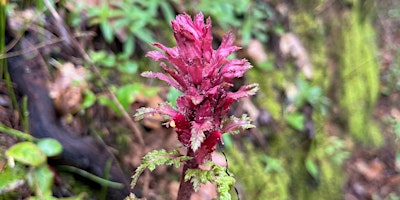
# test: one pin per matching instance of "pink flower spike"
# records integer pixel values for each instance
(205, 77)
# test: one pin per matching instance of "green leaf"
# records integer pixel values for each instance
(50, 147)
(173, 95)
(27, 153)
(97, 56)
(11, 178)
(129, 46)
(106, 101)
(227, 140)
(108, 61)
(216, 173)
(158, 157)
(127, 94)
(295, 120)
(312, 168)
(129, 67)
(89, 99)
(42, 180)
(107, 31)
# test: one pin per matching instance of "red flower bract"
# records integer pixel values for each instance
(204, 76)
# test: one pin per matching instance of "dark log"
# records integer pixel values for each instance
(28, 73)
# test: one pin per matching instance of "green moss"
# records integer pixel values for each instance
(261, 177)
(268, 96)
(359, 74)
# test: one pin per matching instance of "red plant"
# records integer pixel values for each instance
(205, 77)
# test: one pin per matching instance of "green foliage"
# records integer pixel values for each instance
(158, 157)
(126, 95)
(26, 153)
(27, 164)
(50, 147)
(11, 178)
(310, 94)
(248, 17)
(261, 176)
(360, 78)
(269, 89)
(295, 120)
(224, 180)
(173, 95)
(121, 61)
(133, 16)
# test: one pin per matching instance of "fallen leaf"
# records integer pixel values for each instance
(66, 89)
(256, 51)
(291, 46)
(371, 171)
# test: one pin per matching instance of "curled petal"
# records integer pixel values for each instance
(156, 55)
(204, 113)
(226, 47)
(194, 96)
(162, 109)
(233, 124)
(185, 105)
(235, 69)
(178, 78)
(196, 72)
(182, 127)
(171, 52)
(244, 91)
(208, 146)
(162, 77)
(172, 56)
(207, 42)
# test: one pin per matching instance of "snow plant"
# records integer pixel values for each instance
(205, 78)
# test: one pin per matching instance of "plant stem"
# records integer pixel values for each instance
(186, 187)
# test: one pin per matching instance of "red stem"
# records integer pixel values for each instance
(186, 187)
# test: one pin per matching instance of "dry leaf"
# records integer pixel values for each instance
(291, 46)
(371, 171)
(66, 89)
(256, 51)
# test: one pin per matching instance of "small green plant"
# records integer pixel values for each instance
(126, 95)
(302, 95)
(248, 17)
(27, 162)
(131, 16)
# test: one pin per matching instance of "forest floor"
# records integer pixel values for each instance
(369, 172)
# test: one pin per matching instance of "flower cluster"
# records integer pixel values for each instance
(205, 77)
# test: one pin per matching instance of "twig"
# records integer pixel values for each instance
(20, 33)
(90, 176)
(16, 133)
(38, 46)
(86, 57)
